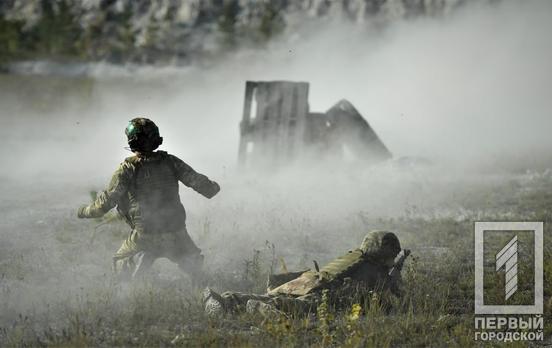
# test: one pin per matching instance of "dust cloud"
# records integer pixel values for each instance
(463, 88)
(465, 91)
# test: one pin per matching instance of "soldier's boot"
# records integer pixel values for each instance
(137, 266)
(213, 303)
(266, 310)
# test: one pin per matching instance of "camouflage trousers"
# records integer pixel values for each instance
(140, 250)
(269, 304)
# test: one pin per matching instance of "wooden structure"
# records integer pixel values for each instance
(273, 123)
(277, 127)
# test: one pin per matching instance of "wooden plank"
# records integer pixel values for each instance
(261, 131)
(276, 124)
(286, 147)
(278, 129)
(302, 108)
(245, 123)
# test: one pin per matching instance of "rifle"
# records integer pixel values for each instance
(399, 262)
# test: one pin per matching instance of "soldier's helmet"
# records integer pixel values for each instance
(381, 245)
(143, 135)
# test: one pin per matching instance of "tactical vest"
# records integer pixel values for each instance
(335, 271)
(153, 204)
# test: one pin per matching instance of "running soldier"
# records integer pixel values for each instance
(144, 189)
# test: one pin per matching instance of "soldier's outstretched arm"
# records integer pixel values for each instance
(107, 199)
(189, 177)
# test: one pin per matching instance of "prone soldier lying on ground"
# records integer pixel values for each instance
(371, 267)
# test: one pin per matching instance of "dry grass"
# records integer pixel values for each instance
(56, 290)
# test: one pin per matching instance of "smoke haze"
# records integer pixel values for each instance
(461, 88)
(466, 90)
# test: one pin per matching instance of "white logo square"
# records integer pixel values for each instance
(507, 257)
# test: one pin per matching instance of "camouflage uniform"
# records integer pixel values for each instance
(354, 273)
(145, 190)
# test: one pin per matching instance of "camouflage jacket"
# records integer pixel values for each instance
(360, 270)
(145, 191)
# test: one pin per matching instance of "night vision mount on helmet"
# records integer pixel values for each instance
(143, 135)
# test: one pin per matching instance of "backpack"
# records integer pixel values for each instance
(123, 205)
(331, 274)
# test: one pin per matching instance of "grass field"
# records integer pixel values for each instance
(56, 288)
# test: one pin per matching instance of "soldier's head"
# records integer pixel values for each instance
(382, 246)
(143, 135)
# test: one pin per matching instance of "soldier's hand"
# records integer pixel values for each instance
(216, 188)
(213, 190)
(82, 212)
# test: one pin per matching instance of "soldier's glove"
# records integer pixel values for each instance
(213, 190)
(82, 212)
